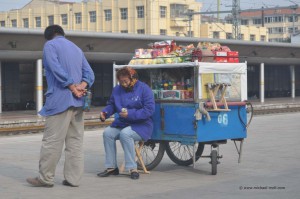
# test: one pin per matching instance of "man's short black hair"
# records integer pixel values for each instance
(53, 30)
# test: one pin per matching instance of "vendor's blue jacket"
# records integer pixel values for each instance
(140, 105)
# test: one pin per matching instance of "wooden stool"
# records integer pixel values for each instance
(213, 89)
(138, 147)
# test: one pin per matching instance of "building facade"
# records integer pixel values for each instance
(153, 17)
(224, 31)
(281, 22)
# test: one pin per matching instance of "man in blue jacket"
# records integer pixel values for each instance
(133, 100)
(68, 74)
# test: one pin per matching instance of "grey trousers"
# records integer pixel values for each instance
(64, 128)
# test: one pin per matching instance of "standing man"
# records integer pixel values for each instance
(68, 74)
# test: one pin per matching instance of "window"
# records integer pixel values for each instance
(50, 20)
(2, 23)
(278, 19)
(140, 11)
(244, 22)
(242, 37)
(25, 23)
(178, 10)
(291, 29)
(252, 37)
(190, 34)
(276, 30)
(262, 38)
(124, 31)
(124, 13)
(64, 19)
(256, 21)
(163, 32)
(177, 34)
(268, 19)
(92, 16)
(107, 15)
(78, 18)
(275, 19)
(14, 23)
(270, 30)
(216, 35)
(163, 11)
(38, 22)
(228, 35)
(141, 31)
(291, 18)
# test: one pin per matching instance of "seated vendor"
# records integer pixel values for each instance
(133, 101)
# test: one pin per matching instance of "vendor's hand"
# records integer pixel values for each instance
(102, 116)
(123, 114)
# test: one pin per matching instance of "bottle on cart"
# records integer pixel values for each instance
(87, 101)
(166, 85)
(170, 87)
(174, 86)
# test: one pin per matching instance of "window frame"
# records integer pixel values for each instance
(163, 11)
(124, 13)
(108, 15)
(50, 20)
(140, 12)
(93, 16)
(64, 19)
(78, 18)
(38, 22)
(140, 31)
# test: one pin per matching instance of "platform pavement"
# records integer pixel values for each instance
(269, 169)
(17, 121)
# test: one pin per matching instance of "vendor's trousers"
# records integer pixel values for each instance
(66, 127)
(127, 137)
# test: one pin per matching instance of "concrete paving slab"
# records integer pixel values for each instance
(269, 169)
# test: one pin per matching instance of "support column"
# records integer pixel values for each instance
(293, 88)
(0, 88)
(39, 85)
(262, 83)
(114, 75)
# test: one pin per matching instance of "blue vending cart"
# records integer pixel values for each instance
(197, 104)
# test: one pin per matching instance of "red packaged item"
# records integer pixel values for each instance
(221, 56)
(187, 94)
(233, 57)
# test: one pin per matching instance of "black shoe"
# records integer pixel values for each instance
(66, 183)
(134, 175)
(109, 172)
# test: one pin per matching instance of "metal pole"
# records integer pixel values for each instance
(190, 24)
(39, 85)
(114, 74)
(218, 9)
(262, 82)
(0, 88)
(292, 69)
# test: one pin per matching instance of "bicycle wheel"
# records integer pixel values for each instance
(152, 153)
(182, 154)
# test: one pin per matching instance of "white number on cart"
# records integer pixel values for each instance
(223, 119)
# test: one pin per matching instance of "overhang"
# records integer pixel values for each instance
(26, 44)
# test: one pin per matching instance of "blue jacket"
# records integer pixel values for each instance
(140, 105)
(64, 64)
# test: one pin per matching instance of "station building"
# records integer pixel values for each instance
(109, 31)
(273, 68)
